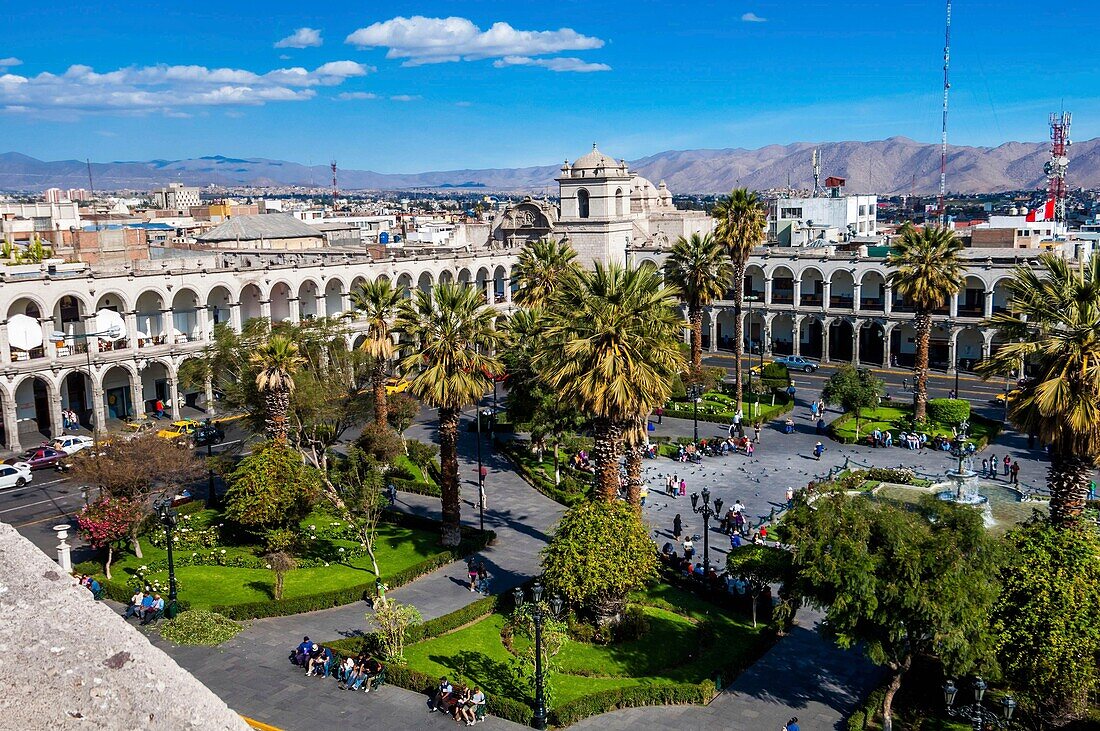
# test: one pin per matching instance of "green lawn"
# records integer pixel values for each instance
(715, 405)
(397, 548)
(886, 418)
(405, 465)
(670, 652)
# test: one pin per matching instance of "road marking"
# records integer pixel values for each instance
(29, 486)
(47, 519)
(60, 498)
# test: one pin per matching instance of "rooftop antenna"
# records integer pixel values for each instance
(91, 192)
(333, 166)
(817, 171)
(943, 132)
(1058, 163)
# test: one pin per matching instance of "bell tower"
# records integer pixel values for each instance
(595, 207)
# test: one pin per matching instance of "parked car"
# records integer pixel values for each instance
(177, 429)
(207, 434)
(40, 458)
(396, 385)
(797, 363)
(71, 443)
(15, 475)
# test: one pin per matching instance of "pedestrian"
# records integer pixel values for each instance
(993, 466)
(819, 448)
(1007, 464)
(481, 473)
(660, 414)
(159, 408)
(792, 725)
(749, 449)
(813, 411)
(1015, 471)
(683, 487)
(790, 498)
(482, 578)
(391, 494)
(643, 493)
(985, 467)
(904, 384)
(471, 573)
(1092, 489)
(756, 431)
(894, 361)
(821, 407)
(677, 527)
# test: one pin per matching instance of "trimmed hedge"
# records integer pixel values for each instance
(416, 487)
(948, 410)
(629, 697)
(473, 540)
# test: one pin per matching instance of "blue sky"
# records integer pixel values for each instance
(376, 85)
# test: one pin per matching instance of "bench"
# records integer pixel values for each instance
(98, 594)
(154, 619)
(377, 681)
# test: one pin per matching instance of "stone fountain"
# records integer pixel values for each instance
(963, 481)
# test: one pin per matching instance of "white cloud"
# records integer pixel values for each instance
(405, 98)
(9, 62)
(753, 18)
(301, 38)
(422, 40)
(560, 63)
(347, 96)
(167, 88)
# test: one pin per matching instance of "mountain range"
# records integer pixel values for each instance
(892, 166)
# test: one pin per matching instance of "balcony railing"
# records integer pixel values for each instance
(971, 311)
(841, 301)
(871, 303)
(811, 300)
(783, 298)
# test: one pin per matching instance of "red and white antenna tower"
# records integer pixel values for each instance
(1058, 163)
(940, 205)
(333, 166)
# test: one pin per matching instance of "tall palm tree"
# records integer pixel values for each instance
(277, 360)
(740, 224)
(927, 269)
(448, 334)
(378, 302)
(540, 268)
(1054, 324)
(701, 268)
(611, 350)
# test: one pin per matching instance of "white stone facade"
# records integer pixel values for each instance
(175, 309)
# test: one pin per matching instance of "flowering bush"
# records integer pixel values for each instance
(109, 521)
(187, 535)
(143, 580)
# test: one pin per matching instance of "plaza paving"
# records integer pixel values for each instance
(802, 675)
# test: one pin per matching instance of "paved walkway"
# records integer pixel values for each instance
(252, 674)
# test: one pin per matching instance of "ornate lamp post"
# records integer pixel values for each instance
(976, 713)
(538, 615)
(169, 518)
(707, 511)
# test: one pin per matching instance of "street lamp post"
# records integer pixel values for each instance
(695, 392)
(707, 511)
(211, 495)
(977, 714)
(538, 616)
(169, 518)
(480, 479)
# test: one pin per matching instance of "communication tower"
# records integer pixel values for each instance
(1058, 163)
(817, 170)
(333, 166)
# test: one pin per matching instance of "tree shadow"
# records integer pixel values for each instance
(262, 586)
(479, 668)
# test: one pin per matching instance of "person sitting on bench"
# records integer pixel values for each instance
(475, 709)
(443, 697)
(156, 608)
(369, 671)
(137, 603)
(300, 656)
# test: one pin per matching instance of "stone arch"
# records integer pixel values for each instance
(404, 284)
(620, 209)
(872, 295)
(117, 386)
(782, 285)
(425, 282)
(754, 282)
(812, 288)
(70, 313)
(724, 319)
(77, 393)
(464, 277)
(446, 277)
(37, 410)
(782, 334)
(113, 300)
(334, 297)
(971, 297)
(842, 335)
(251, 302)
(583, 203)
(1002, 296)
(34, 308)
(968, 347)
(149, 311)
(185, 316)
(219, 302)
(650, 263)
(755, 330)
(872, 343)
(280, 302)
(841, 290)
(500, 279)
(155, 377)
(903, 344)
(307, 300)
(811, 337)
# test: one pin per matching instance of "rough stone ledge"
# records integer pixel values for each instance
(71, 662)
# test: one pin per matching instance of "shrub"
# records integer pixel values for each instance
(631, 696)
(271, 487)
(948, 410)
(280, 540)
(634, 625)
(414, 486)
(200, 628)
(380, 442)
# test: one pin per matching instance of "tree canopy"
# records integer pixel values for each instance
(854, 390)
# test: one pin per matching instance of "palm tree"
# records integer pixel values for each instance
(540, 268)
(701, 268)
(927, 270)
(611, 350)
(378, 302)
(448, 334)
(277, 359)
(1054, 325)
(741, 222)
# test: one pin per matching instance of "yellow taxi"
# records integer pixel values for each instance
(177, 429)
(396, 385)
(999, 399)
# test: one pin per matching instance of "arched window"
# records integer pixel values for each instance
(619, 208)
(582, 203)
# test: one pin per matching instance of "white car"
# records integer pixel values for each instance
(71, 443)
(15, 475)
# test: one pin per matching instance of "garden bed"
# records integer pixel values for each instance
(233, 579)
(575, 486)
(690, 643)
(719, 408)
(890, 417)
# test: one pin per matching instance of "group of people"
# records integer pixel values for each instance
(1011, 468)
(90, 583)
(145, 605)
(478, 575)
(69, 419)
(581, 461)
(675, 485)
(466, 705)
(354, 673)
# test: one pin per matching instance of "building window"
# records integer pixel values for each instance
(582, 203)
(863, 210)
(790, 213)
(619, 202)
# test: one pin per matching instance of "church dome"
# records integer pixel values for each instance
(595, 160)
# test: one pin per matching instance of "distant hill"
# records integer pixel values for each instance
(895, 165)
